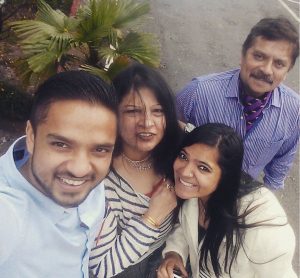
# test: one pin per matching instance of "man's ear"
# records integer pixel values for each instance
(29, 137)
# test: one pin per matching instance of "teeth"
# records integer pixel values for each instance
(145, 134)
(72, 182)
(187, 184)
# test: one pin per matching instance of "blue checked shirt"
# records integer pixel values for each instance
(270, 145)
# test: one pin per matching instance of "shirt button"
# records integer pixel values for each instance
(242, 117)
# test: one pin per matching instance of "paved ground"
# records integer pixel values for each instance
(200, 37)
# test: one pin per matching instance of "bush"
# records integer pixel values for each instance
(14, 104)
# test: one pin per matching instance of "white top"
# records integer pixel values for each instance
(268, 250)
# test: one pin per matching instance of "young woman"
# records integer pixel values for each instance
(229, 225)
(138, 188)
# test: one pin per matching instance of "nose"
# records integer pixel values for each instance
(147, 119)
(187, 170)
(79, 165)
(268, 68)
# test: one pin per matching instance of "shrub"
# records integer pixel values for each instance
(14, 103)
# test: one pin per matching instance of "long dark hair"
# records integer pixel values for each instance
(138, 76)
(222, 206)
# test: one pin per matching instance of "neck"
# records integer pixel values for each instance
(203, 218)
(135, 155)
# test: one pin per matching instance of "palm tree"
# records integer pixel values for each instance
(101, 38)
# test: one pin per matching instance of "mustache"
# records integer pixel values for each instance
(260, 75)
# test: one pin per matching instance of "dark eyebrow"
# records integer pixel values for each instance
(66, 140)
(131, 106)
(183, 150)
(58, 137)
(257, 51)
(281, 61)
(106, 146)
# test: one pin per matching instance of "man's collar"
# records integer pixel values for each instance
(233, 86)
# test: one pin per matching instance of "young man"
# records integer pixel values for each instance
(51, 197)
(253, 101)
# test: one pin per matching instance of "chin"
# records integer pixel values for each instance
(69, 201)
(183, 195)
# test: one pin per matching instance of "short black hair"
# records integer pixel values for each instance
(274, 29)
(71, 85)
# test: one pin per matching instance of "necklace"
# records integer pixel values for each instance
(141, 165)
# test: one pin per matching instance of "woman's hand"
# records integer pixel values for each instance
(162, 202)
(172, 261)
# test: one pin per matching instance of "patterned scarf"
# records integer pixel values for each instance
(253, 108)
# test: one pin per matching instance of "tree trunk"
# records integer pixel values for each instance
(75, 6)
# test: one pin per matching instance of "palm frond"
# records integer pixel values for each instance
(49, 24)
(97, 36)
(96, 71)
(55, 18)
(139, 46)
(96, 20)
(117, 65)
(29, 77)
(31, 30)
(41, 61)
(30, 49)
(129, 11)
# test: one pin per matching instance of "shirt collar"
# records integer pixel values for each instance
(88, 210)
(233, 86)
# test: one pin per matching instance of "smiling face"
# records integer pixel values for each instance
(265, 65)
(197, 173)
(142, 123)
(70, 151)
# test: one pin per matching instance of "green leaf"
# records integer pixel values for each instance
(129, 12)
(96, 71)
(42, 61)
(98, 34)
(143, 48)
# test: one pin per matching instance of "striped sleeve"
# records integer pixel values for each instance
(114, 252)
(276, 170)
(124, 238)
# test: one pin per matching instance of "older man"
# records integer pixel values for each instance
(253, 100)
(51, 197)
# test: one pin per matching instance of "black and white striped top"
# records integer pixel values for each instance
(124, 239)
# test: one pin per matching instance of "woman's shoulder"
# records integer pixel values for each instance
(114, 181)
(262, 205)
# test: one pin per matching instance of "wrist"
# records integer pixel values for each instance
(150, 221)
(172, 254)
